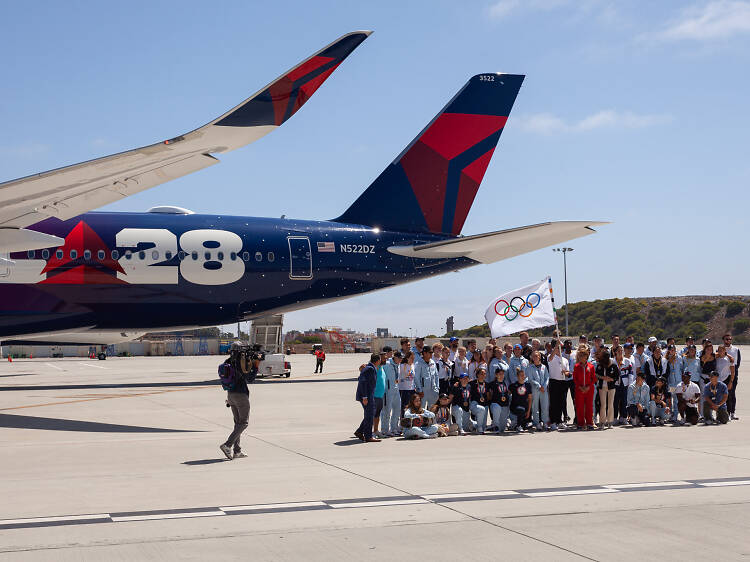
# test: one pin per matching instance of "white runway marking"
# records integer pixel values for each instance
(648, 485)
(54, 366)
(292, 505)
(379, 503)
(90, 365)
(732, 483)
(571, 492)
(169, 516)
(471, 495)
(53, 519)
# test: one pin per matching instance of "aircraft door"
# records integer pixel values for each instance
(300, 257)
(4, 265)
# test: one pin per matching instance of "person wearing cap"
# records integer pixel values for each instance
(497, 362)
(658, 406)
(715, 396)
(515, 362)
(688, 399)
(238, 399)
(638, 399)
(462, 404)
(734, 353)
(584, 377)
(690, 340)
(499, 398)
(418, 346)
(426, 382)
(520, 401)
(453, 345)
(392, 409)
(656, 366)
(479, 404)
(653, 344)
(538, 375)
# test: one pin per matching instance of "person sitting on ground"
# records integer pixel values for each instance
(479, 402)
(638, 399)
(520, 401)
(688, 397)
(417, 422)
(715, 396)
(442, 411)
(499, 398)
(660, 400)
(461, 408)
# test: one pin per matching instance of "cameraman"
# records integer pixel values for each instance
(238, 399)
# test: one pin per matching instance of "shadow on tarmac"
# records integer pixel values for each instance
(214, 382)
(204, 461)
(15, 421)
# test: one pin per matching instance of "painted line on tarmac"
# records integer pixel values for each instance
(54, 366)
(358, 503)
(105, 397)
(92, 366)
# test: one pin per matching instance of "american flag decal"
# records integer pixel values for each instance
(326, 247)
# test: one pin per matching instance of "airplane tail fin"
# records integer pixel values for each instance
(435, 179)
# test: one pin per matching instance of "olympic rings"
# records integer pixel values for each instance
(517, 309)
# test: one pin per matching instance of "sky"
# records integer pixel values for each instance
(631, 112)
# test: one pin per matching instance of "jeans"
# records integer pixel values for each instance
(368, 415)
(240, 404)
(391, 413)
(539, 400)
(606, 405)
(499, 415)
(429, 398)
(657, 411)
(463, 418)
(480, 413)
(421, 432)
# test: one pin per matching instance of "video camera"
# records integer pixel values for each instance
(246, 358)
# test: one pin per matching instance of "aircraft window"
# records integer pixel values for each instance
(128, 254)
(45, 254)
(207, 255)
(73, 254)
(154, 254)
(181, 255)
(246, 256)
(233, 256)
(31, 254)
(258, 256)
(168, 255)
(115, 255)
(271, 257)
(194, 255)
(220, 255)
(142, 255)
(101, 255)
(87, 254)
(59, 254)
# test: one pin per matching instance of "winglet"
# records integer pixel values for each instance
(283, 97)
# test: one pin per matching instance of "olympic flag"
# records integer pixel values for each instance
(522, 309)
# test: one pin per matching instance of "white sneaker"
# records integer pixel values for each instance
(734, 417)
(239, 455)
(226, 450)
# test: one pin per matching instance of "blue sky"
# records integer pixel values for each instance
(633, 112)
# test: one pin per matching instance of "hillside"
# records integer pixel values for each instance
(699, 316)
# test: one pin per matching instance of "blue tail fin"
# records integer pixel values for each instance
(436, 178)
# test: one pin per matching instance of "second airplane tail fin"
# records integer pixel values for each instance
(435, 179)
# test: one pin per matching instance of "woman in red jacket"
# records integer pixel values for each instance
(584, 379)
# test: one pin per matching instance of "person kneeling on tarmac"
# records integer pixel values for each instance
(715, 395)
(417, 422)
(688, 397)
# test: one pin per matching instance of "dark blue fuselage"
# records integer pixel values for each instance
(209, 270)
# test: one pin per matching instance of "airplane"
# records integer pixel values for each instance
(72, 276)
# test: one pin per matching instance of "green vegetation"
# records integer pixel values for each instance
(665, 317)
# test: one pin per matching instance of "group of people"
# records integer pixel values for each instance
(421, 391)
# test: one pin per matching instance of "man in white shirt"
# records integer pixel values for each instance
(639, 358)
(735, 354)
(453, 344)
(558, 370)
(688, 398)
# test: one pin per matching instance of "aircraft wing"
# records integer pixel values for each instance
(500, 245)
(66, 192)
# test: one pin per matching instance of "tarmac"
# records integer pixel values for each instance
(119, 460)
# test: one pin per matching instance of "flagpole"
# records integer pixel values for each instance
(552, 296)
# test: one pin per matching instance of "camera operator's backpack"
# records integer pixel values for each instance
(228, 376)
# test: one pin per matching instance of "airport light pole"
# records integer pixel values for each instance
(565, 275)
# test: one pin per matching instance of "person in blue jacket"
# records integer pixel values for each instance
(538, 375)
(426, 380)
(366, 397)
(389, 418)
